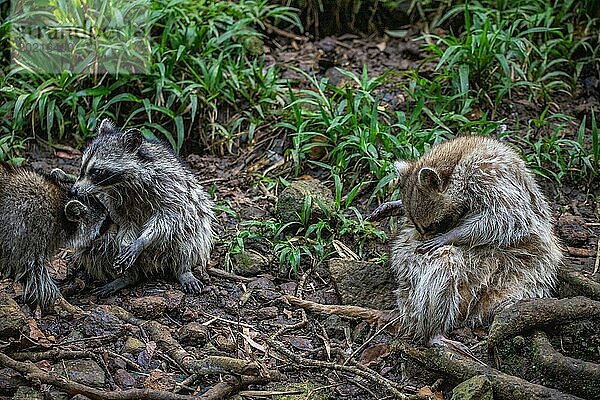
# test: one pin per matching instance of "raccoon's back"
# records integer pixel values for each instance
(31, 210)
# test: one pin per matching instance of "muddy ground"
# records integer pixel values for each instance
(245, 317)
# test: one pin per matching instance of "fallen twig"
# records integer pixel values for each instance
(367, 314)
(219, 273)
(363, 372)
(286, 34)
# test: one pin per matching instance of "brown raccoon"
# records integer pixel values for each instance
(162, 215)
(479, 236)
(37, 217)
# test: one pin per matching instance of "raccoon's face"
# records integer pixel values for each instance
(90, 219)
(109, 161)
(431, 210)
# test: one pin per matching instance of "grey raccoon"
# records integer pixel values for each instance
(479, 236)
(37, 218)
(162, 215)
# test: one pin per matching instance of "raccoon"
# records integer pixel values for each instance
(162, 216)
(37, 218)
(479, 236)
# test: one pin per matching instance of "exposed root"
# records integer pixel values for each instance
(32, 373)
(53, 354)
(206, 366)
(580, 283)
(576, 376)
(461, 368)
(539, 313)
(224, 390)
(373, 316)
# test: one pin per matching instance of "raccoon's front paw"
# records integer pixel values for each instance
(431, 245)
(385, 210)
(127, 257)
(190, 284)
(106, 290)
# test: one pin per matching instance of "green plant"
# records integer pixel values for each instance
(556, 156)
(201, 62)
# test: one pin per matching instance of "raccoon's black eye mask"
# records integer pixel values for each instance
(104, 177)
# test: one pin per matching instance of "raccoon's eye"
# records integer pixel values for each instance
(104, 177)
(94, 172)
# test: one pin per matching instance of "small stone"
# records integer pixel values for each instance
(267, 312)
(572, 230)
(123, 379)
(13, 320)
(476, 388)
(290, 202)
(84, 371)
(334, 325)
(193, 333)
(264, 288)
(133, 346)
(249, 263)
(364, 284)
(101, 323)
(173, 299)
(148, 306)
(289, 287)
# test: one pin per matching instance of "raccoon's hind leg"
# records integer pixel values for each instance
(189, 283)
(113, 287)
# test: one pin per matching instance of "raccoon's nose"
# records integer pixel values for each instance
(73, 190)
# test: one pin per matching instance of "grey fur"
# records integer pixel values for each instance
(37, 218)
(479, 236)
(162, 214)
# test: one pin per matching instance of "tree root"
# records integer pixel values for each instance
(576, 376)
(581, 284)
(538, 313)
(461, 368)
(208, 365)
(373, 316)
(239, 373)
(32, 373)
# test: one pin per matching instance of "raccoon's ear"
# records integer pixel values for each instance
(106, 127)
(430, 179)
(132, 139)
(402, 167)
(75, 211)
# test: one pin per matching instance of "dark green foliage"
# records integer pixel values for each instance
(201, 61)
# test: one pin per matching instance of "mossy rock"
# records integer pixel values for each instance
(292, 199)
(476, 388)
(249, 263)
